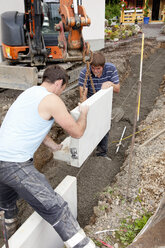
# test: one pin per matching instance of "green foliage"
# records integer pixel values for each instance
(112, 10)
(97, 243)
(138, 197)
(146, 9)
(120, 32)
(130, 228)
(103, 207)
(109, 189)
(123, 4)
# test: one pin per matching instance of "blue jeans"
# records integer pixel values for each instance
(22, 180)
(102, 147)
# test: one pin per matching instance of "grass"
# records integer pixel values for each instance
(129, 229)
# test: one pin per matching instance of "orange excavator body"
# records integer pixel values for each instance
(48, 31)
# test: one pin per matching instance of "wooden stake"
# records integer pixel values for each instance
(136, 118)
(140, 77)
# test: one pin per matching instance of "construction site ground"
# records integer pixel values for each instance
(97, 173)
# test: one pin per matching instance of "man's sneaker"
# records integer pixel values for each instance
(108, 158)
(103, 155)
(11, 226)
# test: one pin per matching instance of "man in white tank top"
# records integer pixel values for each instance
(25, 127)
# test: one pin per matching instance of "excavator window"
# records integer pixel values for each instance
(51, 16)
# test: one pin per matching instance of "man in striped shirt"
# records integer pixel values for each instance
(104, 75)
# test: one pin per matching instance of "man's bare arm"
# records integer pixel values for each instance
(49, 142)
(56, 108)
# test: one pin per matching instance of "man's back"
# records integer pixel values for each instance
(23, 129)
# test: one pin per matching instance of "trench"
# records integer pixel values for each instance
(96, 173)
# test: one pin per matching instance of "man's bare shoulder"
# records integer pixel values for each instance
(52, 98)
(50, 106)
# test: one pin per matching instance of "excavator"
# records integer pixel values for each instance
(49, 31)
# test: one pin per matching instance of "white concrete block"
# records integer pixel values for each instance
(76, 151)
(36, 232)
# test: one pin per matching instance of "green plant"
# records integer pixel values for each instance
(112, 10)
(146, 9)
(138, 197)
(97, 243)
(123, 4)
(119, 32)
(130, 228)
(103, 207)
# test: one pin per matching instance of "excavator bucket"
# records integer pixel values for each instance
(153, 233)
(22, 77)
(17, 77)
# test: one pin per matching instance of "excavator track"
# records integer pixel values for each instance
(21, 77)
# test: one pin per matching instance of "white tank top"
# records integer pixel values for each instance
(23, 130)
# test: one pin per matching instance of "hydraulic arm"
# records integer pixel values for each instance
(48, 31)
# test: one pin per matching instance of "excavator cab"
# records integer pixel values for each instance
(48, 31)
(51, 16)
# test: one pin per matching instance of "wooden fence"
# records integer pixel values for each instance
(129, 16)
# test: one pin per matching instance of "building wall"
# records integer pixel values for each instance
(95, 9)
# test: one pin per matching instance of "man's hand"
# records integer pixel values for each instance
(106, 85)
(57, 147)
(49, 142)
(83, 109)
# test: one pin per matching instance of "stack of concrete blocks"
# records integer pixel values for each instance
(76, 151)
(36, 232)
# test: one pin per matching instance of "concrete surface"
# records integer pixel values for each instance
(76, 151)
(36, 232)
(152, 30)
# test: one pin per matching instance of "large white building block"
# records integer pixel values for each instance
(76, 151)
(36, 232)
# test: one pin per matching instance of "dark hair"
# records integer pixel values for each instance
(98, 59)
(53, 73)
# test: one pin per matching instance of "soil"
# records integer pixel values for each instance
(98, 173)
